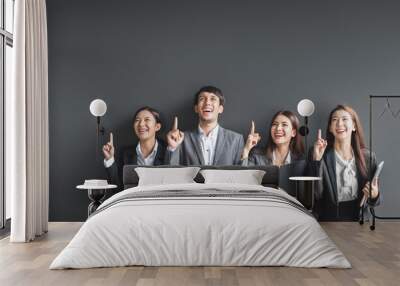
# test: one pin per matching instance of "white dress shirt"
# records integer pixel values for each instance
(346, 178)
(141, 161)
(149, 160)
(208, 144)
(288, 158)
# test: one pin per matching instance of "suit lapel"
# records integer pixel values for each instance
(130, 156)
(159, 159)
(194, 137)
(331, 166)
(360, 179)
(219, 148)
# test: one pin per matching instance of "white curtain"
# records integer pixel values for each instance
(27, 141)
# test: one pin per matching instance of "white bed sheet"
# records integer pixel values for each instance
(192, 231)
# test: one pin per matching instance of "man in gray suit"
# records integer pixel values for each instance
(209, 143)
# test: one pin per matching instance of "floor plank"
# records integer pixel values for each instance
(374, 255)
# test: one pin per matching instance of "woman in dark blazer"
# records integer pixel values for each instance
(149, 151)
(284, 144)
(344, 164)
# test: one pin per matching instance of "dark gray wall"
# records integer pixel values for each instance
(264, 55)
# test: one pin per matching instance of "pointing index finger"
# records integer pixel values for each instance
(111, 139)
(253, 127)
(175, 126)
(319, 134)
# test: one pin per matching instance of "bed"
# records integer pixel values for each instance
(201, 224)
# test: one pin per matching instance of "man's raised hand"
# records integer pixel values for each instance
(252, 140)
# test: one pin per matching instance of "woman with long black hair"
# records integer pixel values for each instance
(284, 145)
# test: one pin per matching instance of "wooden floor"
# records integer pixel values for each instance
(374, 255)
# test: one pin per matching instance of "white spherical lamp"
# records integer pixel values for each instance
(98, 107)
(305, 107)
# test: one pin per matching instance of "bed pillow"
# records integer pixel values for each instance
(248, 177)
(163, 176)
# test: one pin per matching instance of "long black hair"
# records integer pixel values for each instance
(296, 146)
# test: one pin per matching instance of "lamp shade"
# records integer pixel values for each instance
(305, 107)
(98, 107)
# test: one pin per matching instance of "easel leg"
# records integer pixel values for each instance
(361, 218)
(372, 211)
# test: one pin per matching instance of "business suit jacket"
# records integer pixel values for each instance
(258, 157)
(327, 206)
(227, 150)
(128, 156)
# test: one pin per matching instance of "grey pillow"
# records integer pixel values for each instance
(248, 177)
(163, 176)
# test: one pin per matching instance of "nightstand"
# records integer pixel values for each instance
(96, 195)
(305, 195)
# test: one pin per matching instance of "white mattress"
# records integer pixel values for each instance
(190, 230)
